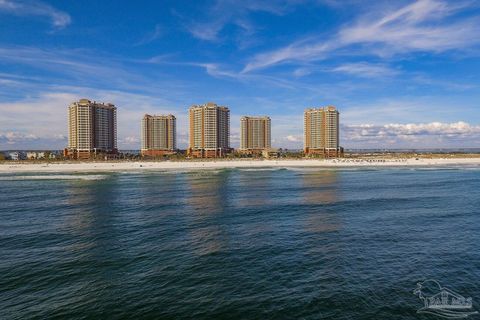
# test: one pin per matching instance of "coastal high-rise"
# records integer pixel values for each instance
(321, 132)
(209, 131)
(92, 129)
(255, 134)
(158, 135)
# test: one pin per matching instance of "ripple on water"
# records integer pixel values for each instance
(326, 243)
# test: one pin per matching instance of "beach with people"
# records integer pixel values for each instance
(92, 166)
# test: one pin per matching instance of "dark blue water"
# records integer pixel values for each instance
(236, 244)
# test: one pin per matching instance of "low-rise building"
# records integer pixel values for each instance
(271, 153)
(15, 155)
(35, 155)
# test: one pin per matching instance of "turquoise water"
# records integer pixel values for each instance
(236, 244)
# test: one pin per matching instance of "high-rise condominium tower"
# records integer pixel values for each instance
(255, 134)
(158, 135)
(209, 131)
(92, 129)
(322, 132)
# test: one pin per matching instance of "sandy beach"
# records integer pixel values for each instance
(219, 164)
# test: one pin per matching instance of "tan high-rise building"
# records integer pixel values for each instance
(255, 134)
(158, 135)
(209, 131)
(92, 129)
(321, 132)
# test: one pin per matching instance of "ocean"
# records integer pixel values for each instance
(299, 243)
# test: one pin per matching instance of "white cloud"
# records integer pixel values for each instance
(415, 27)
(292, 138)
(366, 70)
(219, 71)
(14, 137)
(412, 135)
(89, 68)
(131, 142)
(40, 123)
(207, 30)
(422, 26)
(44, 115)
(74, 63)
(25, 140)
(225, 12)
(215, 70)
(404, 109)
(58, 18)
(301, 72)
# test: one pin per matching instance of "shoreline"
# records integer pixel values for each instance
(224, 164)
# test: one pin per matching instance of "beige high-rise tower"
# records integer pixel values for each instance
(92, 129)
(321, 132)
(158, 135)
(255, 134)
(209, 131)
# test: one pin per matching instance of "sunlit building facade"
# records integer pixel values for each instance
(92, 129)
(255, 134)
(321, 132)
(158, 135)
(209, 126)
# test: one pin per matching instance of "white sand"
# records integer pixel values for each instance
(179, 165)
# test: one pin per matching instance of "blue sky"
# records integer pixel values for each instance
(404, 74)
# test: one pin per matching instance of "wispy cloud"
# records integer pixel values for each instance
(366, 70)
(65, 61)
(422, 26)
(455, 84)
(301, 72)
(215, 70)
(88, 68)
(157, 33)
(59, 19)
(230, 12)
(206, 30)
(403, 109)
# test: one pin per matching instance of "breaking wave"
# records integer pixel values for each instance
(54, 177)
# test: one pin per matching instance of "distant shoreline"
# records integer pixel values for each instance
(113, 166)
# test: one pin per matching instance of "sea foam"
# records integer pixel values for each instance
(54, 177)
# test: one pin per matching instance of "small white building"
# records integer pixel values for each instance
(33, 155)
(14, 155)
